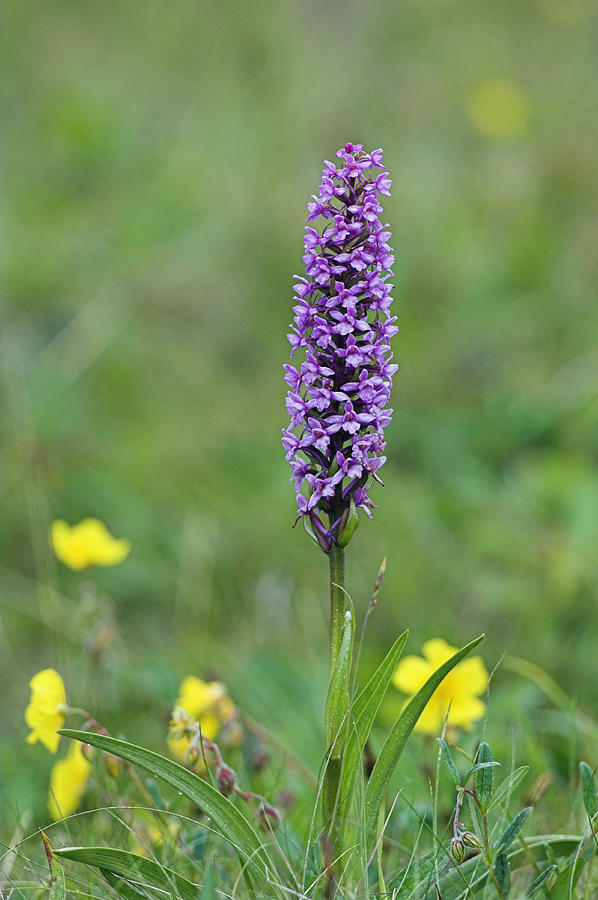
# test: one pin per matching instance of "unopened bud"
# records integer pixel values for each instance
(268, 816)
(259, 759)
(286, 798)
(226, 780)
(112, 764)
(192, 754)
(348, 525)
(471, 840)
(457, 850)
(87, 752)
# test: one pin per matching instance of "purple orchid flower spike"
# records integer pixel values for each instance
(338, 396)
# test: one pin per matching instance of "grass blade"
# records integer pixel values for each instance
(233, 826)
(400, 733)
(123, 888)
(133, 868)
(362, 713)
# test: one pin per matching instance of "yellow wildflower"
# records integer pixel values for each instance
(458, 693)
(208, 703)
(68, 779)
(46, 711)
(87, 544)
(499, 109)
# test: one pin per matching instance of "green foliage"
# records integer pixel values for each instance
(448, 761)
(233, 826)
(337, 703)
(134, 870)
(362, 714)
(155, 180)
(513, 830)
(484, 776)
(57, 877)
(399, 735)
(589, 790)
(504, 790)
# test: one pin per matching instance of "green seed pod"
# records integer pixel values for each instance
(457, 850)
(112, 764)
(192, 754)
(87, 752)
(472, 840)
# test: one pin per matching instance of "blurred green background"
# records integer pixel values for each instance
(157, 162)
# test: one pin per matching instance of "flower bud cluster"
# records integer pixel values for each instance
(338, 396)
(461, 840)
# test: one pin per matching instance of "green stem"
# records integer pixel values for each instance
(336, 558)
(332, 775)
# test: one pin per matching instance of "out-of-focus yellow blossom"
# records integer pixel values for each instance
(499, 109)
(47, 707)
(68, 780)
(87, 544)
(208, 703)
(458, 693)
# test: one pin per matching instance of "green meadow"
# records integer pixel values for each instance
(157, 161)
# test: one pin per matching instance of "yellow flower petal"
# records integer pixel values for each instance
(411, 673)
(431, 719)
(68, 780)
(45, 712)
(470, 676)
(465, 711)
(196, 696)
(179, 747)
(66, 549)
(437, 651)
(457, 692)
(87, 544)
(208, 703)
(102, 548)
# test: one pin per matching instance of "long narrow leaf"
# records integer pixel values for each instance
(362, 714)
(513, 830)
(337, 702)
(448, 761)
(226, 817)
(122, 887)
(484, 777)
(400, 733)
(134, 868)
(589, 790)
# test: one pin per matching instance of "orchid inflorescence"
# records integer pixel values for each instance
(338, 396)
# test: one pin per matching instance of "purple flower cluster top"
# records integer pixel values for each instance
(338, 396)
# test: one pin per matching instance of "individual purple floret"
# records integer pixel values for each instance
(338, 396)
